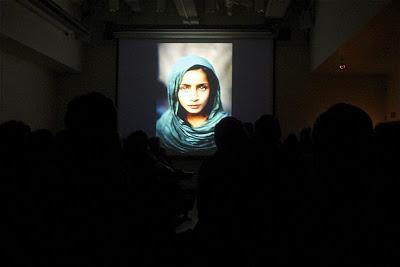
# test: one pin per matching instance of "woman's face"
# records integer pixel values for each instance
(194, 90)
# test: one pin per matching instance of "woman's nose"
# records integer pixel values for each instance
(193, 95)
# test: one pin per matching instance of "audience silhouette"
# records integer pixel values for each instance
(84, 197)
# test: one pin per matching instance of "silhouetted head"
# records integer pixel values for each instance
(91, 129)
(249, 128)
(291, 140)
(342, 125)
(387, 140)
(268, 129)
(92, 113)
(305, 135)
(14, 137)
(305, 140)
(341, 136)
(229, 134)
(388, 133)
(154, 144)
(136, 144)
(41, 141)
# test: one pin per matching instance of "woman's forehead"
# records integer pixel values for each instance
(190, 61)
(195, 75)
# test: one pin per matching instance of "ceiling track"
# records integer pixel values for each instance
(194, 34)
(57, 13)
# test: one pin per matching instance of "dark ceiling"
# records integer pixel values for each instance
(275, 14)
(93, 17)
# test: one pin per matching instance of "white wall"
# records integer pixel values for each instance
(364, 91)
(393, 88)
(33, 49)
(301, 95)
(27, 92)
(292, 70)
(336, 21)
(99, 73)
(29, 27)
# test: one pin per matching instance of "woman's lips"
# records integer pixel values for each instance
(194, 106)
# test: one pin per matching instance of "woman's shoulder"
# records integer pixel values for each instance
(163, 123)
(219, 116)
(166, 116)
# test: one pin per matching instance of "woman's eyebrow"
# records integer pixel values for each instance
(186, 84)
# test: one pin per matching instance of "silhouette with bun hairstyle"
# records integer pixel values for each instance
(387, 186)
(266, 144)
(342, 202)
(92, 194)
(272, 196)
(268, 131)
(223, 195)
(15, 198)
(14, 136)
(305, 140)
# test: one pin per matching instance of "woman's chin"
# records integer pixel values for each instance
(193, 112)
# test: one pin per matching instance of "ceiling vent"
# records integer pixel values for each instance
(187, 11)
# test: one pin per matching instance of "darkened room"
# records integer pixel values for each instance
(199, 132)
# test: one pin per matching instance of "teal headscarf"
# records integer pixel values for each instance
(175, 133)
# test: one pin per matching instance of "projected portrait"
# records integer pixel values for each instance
(194, 106)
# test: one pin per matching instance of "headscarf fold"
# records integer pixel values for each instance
(174, 132)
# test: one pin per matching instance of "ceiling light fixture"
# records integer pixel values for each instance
(342, 65)
(259, 6)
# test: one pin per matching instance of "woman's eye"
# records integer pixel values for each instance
(203, 87)
(184, 87)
